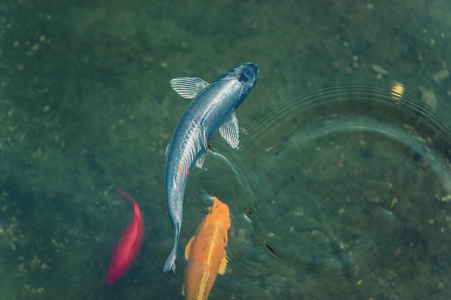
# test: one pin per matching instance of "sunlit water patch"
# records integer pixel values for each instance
(340, 190)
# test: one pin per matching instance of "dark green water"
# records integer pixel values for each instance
(86, 108)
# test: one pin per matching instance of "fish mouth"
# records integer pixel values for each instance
(249, 73)
(253, 67)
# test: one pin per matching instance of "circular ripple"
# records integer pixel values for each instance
(342, 181)
(340, 171)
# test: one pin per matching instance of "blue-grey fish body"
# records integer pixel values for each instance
(212, 108)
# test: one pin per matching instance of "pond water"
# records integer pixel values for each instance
(340, 187)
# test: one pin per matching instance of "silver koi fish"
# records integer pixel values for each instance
(212, 108)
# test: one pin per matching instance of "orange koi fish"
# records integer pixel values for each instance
(125, 252)
(206, 253)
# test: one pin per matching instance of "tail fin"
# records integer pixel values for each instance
(124, 194)
(170, 261)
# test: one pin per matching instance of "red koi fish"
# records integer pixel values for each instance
(125, 252)
(206, 253)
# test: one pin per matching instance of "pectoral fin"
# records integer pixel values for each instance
(230, 130)
(188, 248)
(223, 265)
(188, 87)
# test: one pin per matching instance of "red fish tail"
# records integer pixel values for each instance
(124, 194)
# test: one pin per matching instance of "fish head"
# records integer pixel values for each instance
(245, 75)
(247, 78)
(219, 214)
